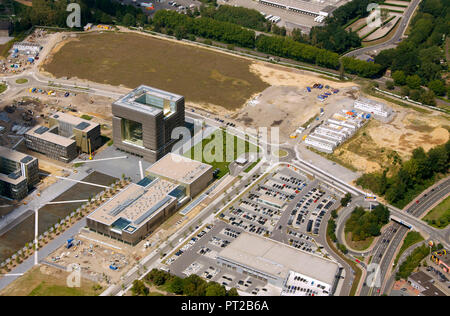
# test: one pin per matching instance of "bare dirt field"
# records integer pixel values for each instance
(131, 59)
(375, 146)
(48, 281)
(287, 104)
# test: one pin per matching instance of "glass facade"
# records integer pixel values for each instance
(132, 132)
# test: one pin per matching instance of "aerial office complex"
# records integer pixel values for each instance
(281, 265)
(18, 173)
(144, 119)
(64, 138)
(140, 208)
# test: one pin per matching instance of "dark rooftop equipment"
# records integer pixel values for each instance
(82, 125)
(41, 130)
(26, 159)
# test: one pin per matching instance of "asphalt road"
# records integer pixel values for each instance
(385, 251)
(395, 39)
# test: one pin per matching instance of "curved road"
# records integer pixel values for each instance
(395, 39)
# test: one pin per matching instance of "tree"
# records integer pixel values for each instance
(346, 199)
(413, 82)
(215, 289)
(390, 84)
(139, 288)
(437, 86)
(399, 77)
(232, 292)
(129, 20)
(176, 285)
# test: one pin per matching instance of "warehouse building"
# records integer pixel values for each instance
(303, 7)
(373, 107)
(280, 265)
(144, 119)
(19, 173)
(46, 141)
(140, 208)
(27, 48)
(193, 175)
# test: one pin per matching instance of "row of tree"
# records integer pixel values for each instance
(54, 13)
(193, 285)
(420, 59)
(411, 178)
(204, 27)
(363, 224)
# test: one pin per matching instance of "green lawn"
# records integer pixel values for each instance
(410, 239)
(252, 166)
(45, 289)
(439, 216)
(3, 87)
(219, 150)
(21, 81)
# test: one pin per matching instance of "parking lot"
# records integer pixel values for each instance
(198, 256)
(287, 206)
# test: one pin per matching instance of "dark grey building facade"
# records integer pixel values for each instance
(144, 119)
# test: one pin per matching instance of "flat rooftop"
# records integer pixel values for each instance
(179, 168)
(135, 204)
(278, 259)
(15, 155)
(77, 122)
(310, 6)
(149, 100)
(44, 133)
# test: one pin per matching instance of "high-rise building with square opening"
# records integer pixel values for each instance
(144, 119)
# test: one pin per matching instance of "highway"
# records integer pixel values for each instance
(391, 239)
(395, 39)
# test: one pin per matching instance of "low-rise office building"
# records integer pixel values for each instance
(66, 136)
(140, 208)
(135, 212)
(87, 134)
(46, 141)
(193, 175)
(18, 173)
(280, 265)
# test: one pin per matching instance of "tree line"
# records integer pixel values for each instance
(411, 178)
(193, 285)
(53, 13)
(419, 60)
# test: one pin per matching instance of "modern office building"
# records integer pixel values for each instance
(193, 175)
(46, 141)
(280, 265)
(87, 134)
(18, 173)
(144, 119)
(66, 136)
(140, 208)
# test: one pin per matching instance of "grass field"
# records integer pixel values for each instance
(410, 239)
(48, 281)
(217, 148)
(439, 216)
(21, 81)
(360, 245)
(201, 75)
